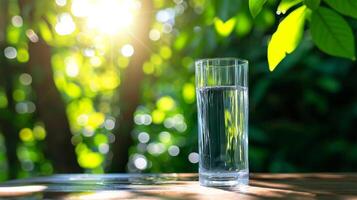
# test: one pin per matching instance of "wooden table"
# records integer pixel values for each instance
(181, 186)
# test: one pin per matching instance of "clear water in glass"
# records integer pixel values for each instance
(223, 137)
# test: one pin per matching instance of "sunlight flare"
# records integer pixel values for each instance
(106, 16)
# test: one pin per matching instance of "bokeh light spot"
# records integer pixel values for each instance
(39, 132)
(88, 132)
(167, 28)
(193, 157)
(25, 79)
(19, 95)
(165, 52)
(10, 52)
(100, 139)
(23, 55)
(166, 15)
(174, 150)
(188, 93)
(127, 50)
(73, 90)
(3, 100)
(95, 61)
(165, 103)
(90, 160)
(123, 62)
(27, 165)
(179, 9)
(89, 52)
(95, 120)
(26, 135)
(148, 68)
(17, 21)
(65, 24)
(76, 139)
(155, 148)
(72, 68)
(109, 124)
(61, 2)
(143, 137)
(25, 107)
(46, 168)
(103, 148)
(33, 37)
(158, 116)
(154, 34)
(140, 161)
(81, 8)
(165, 137)
(156, 59)
(82, 119)
(142, 119)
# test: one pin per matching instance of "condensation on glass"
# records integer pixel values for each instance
(222, 103)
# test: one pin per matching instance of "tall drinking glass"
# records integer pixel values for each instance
(222, 102)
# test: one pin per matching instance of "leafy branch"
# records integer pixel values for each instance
(330, 32)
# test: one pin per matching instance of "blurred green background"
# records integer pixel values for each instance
(102, 86)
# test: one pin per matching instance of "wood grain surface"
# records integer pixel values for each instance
(181, 186)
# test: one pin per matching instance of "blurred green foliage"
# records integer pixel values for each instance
(303, 116)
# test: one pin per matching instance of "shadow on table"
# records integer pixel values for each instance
(88, 186)
(297, 186)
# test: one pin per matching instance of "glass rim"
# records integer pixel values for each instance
(239, 61)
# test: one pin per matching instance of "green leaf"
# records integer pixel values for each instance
(244, 24)
(346, 7)
(224, 28)
(285, 5)
(255, 6)
(226, 9)
(312, 4)
(181, 40)
(332, 34)
(287, 37)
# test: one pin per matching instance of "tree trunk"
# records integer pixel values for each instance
(130, 88)
(7, 117)
(7, 123)
(51, 109)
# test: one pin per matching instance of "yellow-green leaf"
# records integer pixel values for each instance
(285, 5)
(224, 28)
(287, 37)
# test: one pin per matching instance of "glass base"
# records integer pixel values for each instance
(225, 179)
